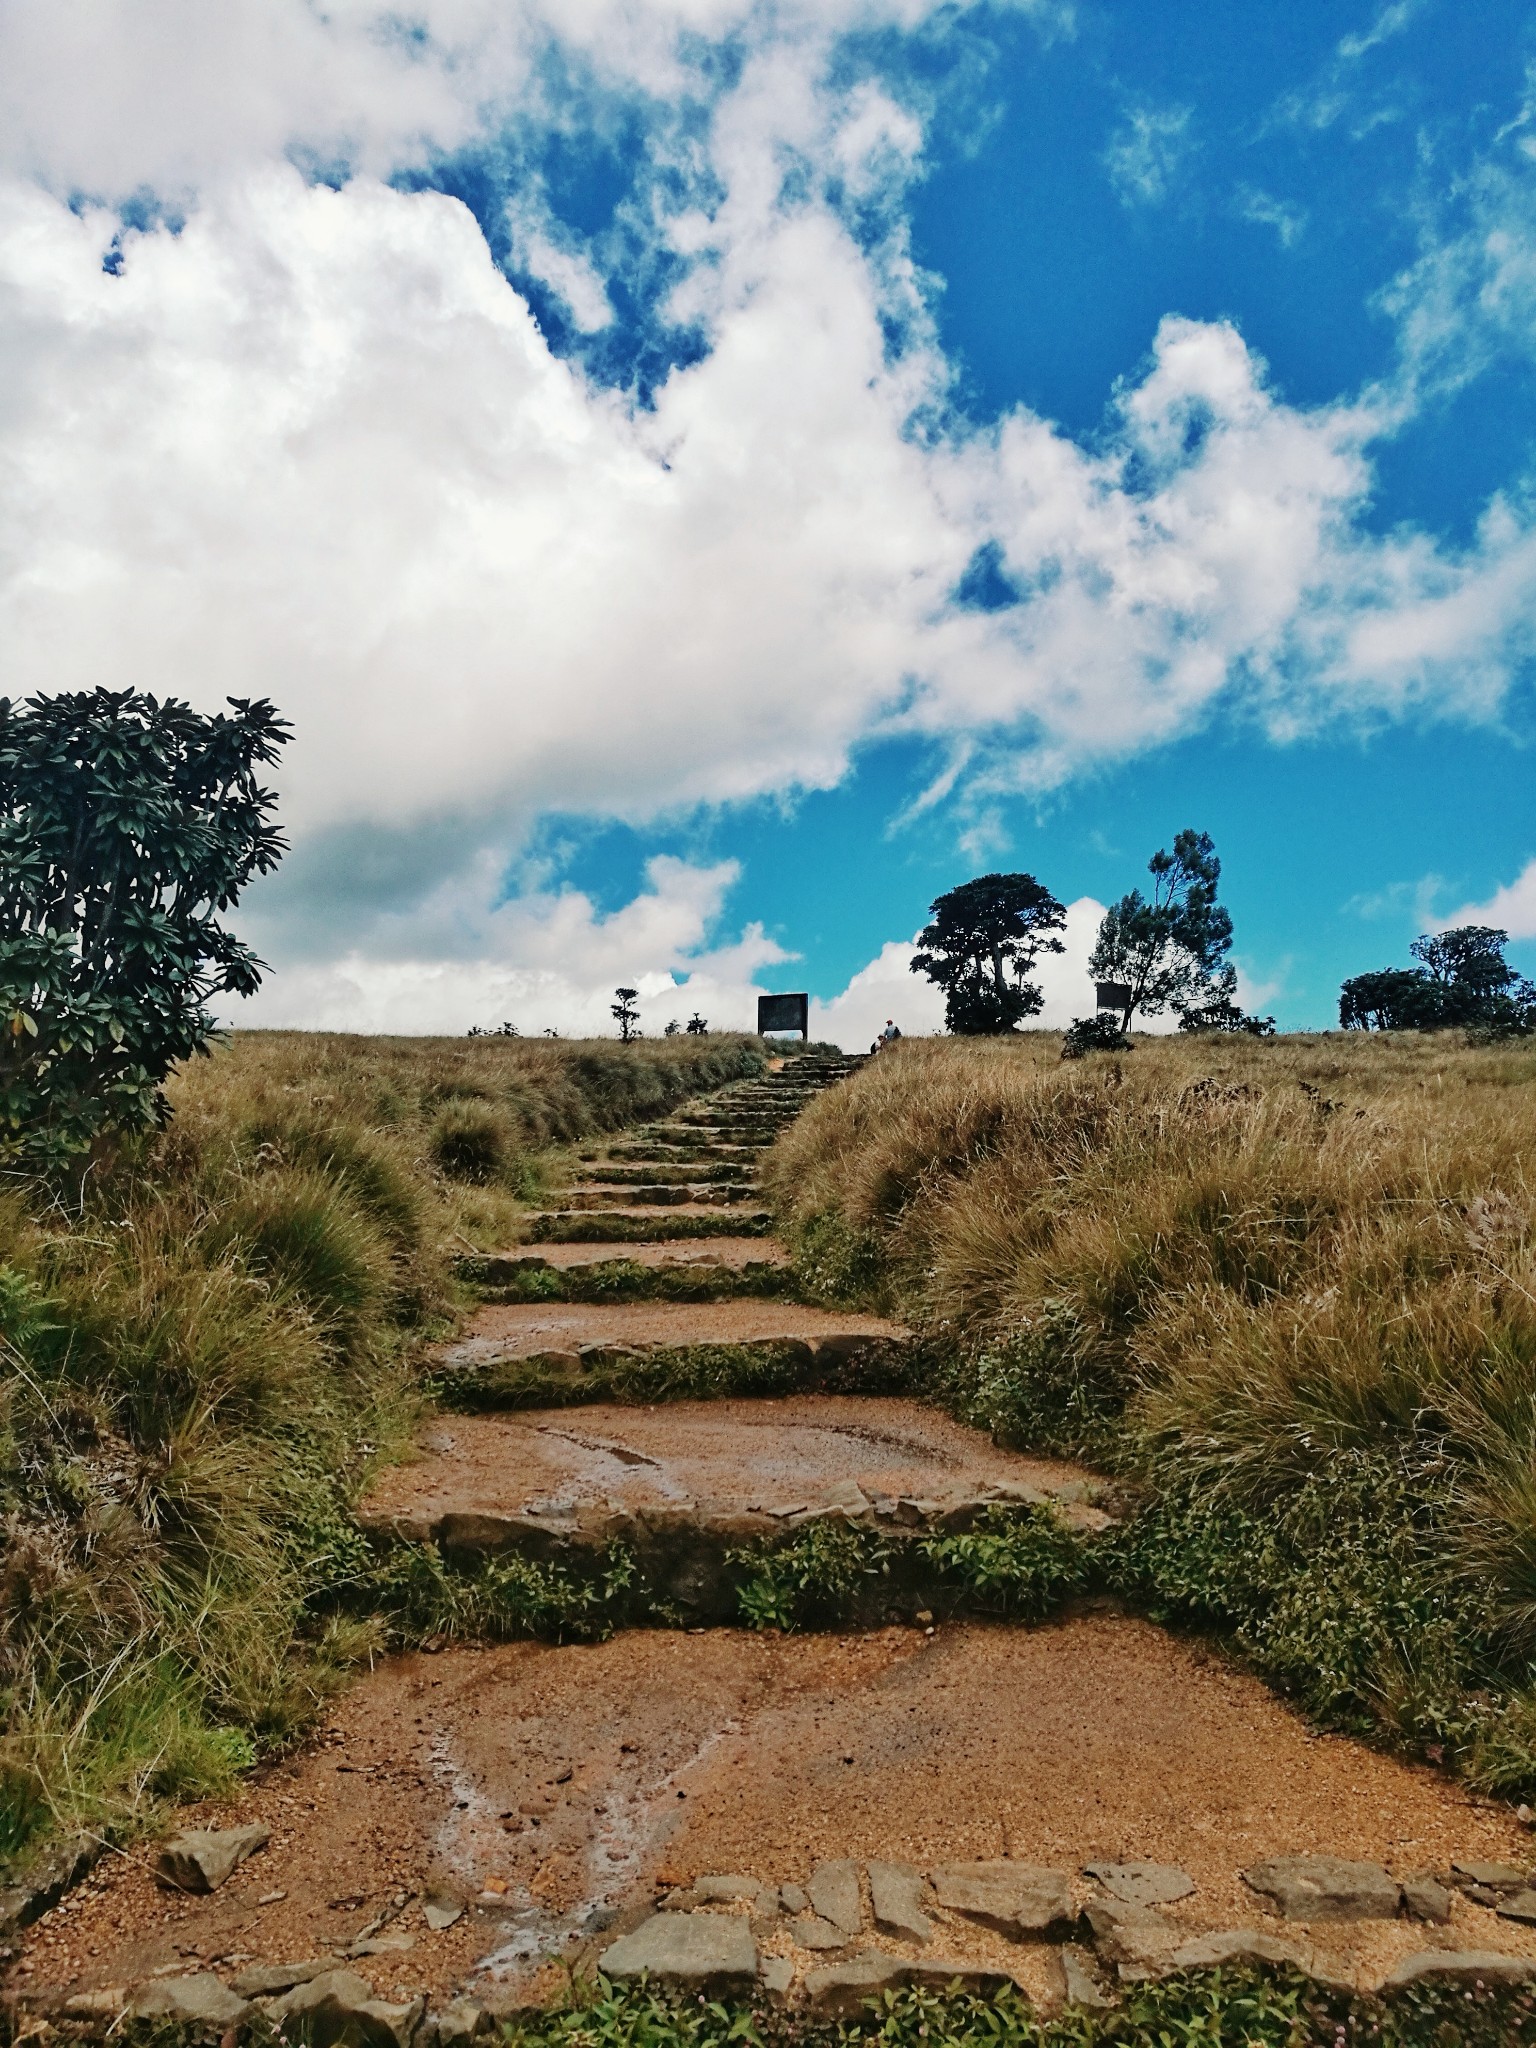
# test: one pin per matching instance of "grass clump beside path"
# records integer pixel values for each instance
(1236, 2008)
(1289, 1287)
(204, 1356)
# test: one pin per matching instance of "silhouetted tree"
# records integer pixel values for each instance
(627, 1013)
(697, 1025)
(1168, 950)
(1463, 978)
(980, 947)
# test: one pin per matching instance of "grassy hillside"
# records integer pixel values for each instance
(200, 1364)
(1287, 1289)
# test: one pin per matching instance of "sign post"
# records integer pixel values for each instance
(784, 1013)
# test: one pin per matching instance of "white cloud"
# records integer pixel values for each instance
(1266, 211)
(1511, 908)
(547, 959)
(312, 444)
(1147, 152)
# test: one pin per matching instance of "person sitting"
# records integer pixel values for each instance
(890, 1033)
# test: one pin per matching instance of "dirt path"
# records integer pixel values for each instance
(483, 1818)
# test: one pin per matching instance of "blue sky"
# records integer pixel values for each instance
(705, 477)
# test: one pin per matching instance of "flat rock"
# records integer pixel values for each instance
(1236, 1945)
(1490, 1877)
(833, 1890)
(1519, 1906)
(339, 2007)
(201, 1859)
(1142, 1884)
(1467, 1965)
(268, 1980)
(1325, 1888)
(48, 1877)
(1018, 1899)
(700, 1949)
(442, 1913)
(198, 1998)
(1426, 1898)
(843, 1987)
(815, 1933)
(776, 1975)
(896, 1895)
(1134, 1938)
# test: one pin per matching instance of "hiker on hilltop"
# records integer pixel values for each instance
(890, 1034)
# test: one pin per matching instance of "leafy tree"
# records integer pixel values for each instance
(1221, 1014)
(1463, 978)
(626, 1012)
(984, 939)
(127, 823)
(1168, 950)
(697, 1025)
(1101, 1033)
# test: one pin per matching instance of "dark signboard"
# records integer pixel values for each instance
(1113, 995)
(784, 1013)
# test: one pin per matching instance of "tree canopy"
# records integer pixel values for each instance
(1463, 978)
(127, 823)
(1168, 950)
(983, 941)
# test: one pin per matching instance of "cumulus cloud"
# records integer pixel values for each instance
(306, 439)
(1511, 908)
(544, 960)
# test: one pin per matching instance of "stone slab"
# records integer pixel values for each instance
(1325, 1888)
(1021, 1900)
(702, 1950)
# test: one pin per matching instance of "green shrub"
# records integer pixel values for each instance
(472, 1141)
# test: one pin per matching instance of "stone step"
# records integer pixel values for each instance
(598, 1195)
(687, 1485)
(617, 1226)
(684, 1154)
(661, 1173)
(495, 1267)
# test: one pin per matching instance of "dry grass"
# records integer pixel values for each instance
(1289, 1285)
(200, 1366)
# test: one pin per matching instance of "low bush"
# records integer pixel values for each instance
(1287, 1287)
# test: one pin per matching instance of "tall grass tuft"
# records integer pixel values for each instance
(1288, 1287)
(201, 1364)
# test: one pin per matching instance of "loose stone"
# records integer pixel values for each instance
(1080, 1984)
(1142, 1884)
(197, 1999)
(834, 1892)
(815, 1933)
(794, 1897)
(201, 1859)
(1489, 1877)
(267, 1980)
(700, 1949)
(1134, 1938)
(1018, 1899)
(1426, 1898)
(896, 1894)
(1325, 1888)
(1519, 1906)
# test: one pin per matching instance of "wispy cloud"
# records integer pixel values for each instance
(1288, 220)
(1333, 93)
(1511, 908)
(1147, 152)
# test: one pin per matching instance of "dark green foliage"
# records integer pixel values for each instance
(626, 1013)
(836, 1263)
(984, 939)
(1222, 1014)
(127, 826)
(1017, 1561)
(476, 1142)
(1462, 979)
(421, 1597)
(1099, 1033)
(627, 1280)
(1339, 1584)
(1169, 950)
(1224, 2008)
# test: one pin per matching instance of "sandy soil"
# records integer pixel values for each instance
(749, 1454)
(559, 1786)
(522, 1328)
